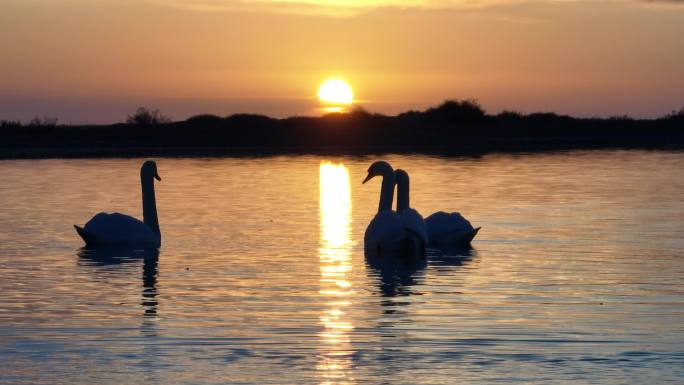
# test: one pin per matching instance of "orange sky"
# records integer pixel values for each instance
(96, 61)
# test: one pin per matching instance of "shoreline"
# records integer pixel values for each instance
(452, 129)
(466, 149)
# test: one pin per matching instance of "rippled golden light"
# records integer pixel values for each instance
(335, 205)
(335, 262)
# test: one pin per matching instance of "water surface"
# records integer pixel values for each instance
(577, 275)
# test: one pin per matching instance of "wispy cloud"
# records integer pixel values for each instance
(350, 7)
(336, 7)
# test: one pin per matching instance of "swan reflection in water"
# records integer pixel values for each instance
(445, 258)
(335, 359)
(400, 277)
(119, 258)
(112, 256)
(396, 276)
(400, 283)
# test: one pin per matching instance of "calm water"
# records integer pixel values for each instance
(577, 275)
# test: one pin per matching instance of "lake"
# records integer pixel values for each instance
(577, 275)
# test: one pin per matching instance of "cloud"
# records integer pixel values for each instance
(332, 7)
(354, 7)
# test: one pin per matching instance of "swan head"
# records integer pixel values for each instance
(149, 170)
(378, 168)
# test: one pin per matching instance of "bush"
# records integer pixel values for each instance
(510, 115)
(145, 117)
(456, 111)
(204, 119)
(43, 122)
(10, 123)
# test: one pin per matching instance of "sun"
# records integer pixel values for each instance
(335, 92)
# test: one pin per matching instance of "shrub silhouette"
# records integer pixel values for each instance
(145, 117)
(10, 123)
(456, 111)
(454, 126)
(675, 115)
(204, 119)
(43, 122)
(510, 115)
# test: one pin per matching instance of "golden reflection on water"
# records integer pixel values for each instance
(335, 263)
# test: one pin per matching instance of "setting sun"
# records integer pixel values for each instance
(335, 91)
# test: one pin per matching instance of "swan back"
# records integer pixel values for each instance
(450, 228)
(414, 222)
(117, 229)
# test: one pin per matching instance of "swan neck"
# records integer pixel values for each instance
(150, 205)
(403, 195)
(387, 191)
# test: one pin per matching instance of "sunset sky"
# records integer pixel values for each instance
(95, 61)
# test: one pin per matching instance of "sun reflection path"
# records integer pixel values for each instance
(334, 253)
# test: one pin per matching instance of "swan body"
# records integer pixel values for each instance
(450, 229)
(123, 230)
(116, 229)
(410, 218)
(386, 235)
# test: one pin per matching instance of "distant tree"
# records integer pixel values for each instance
(620, 117)
(674, 115)
(456, 111)
(10, 123)
(250, 120)
(679, 113)
(358, 110)
(509, 115)
(43, 122)
(203, 119)
(544, 116)
(145, 117)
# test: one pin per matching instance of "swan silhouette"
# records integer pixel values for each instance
(122, 230)
(386, 235)
(410, 218)
(450, 229)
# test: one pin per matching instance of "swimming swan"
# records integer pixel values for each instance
(450, 229)
(385, 234)
(123, 230)
(410, 218)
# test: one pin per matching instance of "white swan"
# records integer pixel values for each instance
(385, 234)
(450, 229)
(123, 230)
(410, 218)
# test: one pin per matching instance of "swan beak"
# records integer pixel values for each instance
(156, 176)
(369, 177)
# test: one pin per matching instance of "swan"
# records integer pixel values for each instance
(386, 235)
(450, 229)
(123, 230)
(410, 218)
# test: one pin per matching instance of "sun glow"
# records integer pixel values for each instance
(335, 92)
(335, 365)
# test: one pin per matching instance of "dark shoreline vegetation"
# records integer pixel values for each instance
(453, 128)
